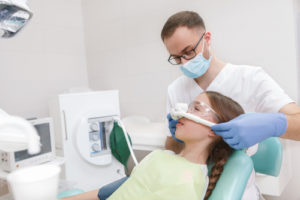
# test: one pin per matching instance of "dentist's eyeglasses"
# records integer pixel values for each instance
(188, 55)
(202, 109)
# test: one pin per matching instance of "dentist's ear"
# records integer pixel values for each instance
(207, 41)
(207, 38)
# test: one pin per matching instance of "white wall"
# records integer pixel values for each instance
(125, 52)
(47, 58)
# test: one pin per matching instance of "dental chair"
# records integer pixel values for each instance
(238, 168)
(268, 158)
(234, 178)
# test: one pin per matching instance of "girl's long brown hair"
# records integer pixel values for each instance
(227, 109)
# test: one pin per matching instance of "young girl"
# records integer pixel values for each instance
(165, 175)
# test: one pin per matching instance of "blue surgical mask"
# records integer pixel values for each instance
(196, 67)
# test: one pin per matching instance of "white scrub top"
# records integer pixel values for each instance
(250, 86)
(3, 114)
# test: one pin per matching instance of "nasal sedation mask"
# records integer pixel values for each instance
(181, 110)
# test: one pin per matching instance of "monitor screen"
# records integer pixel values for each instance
(45, 138)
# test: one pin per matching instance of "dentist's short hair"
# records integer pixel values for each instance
(188, 19)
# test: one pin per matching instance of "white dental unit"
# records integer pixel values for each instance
(83, 122)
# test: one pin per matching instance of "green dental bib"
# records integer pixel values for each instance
(164, 176)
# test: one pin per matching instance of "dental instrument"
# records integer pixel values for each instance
(180, 111)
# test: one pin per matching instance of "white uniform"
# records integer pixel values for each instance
(250, 86)
(3, 114)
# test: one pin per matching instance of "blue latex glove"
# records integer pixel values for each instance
(249, 129)
(172, 127)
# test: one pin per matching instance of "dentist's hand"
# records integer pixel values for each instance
(172, 127)
(249, 129)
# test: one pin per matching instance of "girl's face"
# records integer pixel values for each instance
(187, 130)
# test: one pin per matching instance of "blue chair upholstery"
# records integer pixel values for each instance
(69, 193)
(238, 168)
(268, 157)
(234, 178)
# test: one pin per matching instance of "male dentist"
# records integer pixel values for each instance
(188, 43)
(271, 112)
